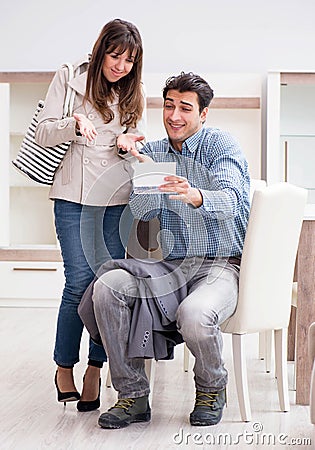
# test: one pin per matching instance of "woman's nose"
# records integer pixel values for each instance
(120, 64)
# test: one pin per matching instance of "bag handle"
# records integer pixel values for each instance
(70, 94)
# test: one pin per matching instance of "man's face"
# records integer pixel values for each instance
(181, 116)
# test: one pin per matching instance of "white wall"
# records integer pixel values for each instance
(215, 37)
(203, 36)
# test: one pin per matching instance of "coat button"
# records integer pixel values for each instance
(86, 160)
(62, 124)
(104, 162)
(91, 116)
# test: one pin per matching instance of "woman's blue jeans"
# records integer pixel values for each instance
(88, 236)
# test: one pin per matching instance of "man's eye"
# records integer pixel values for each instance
(168, 106)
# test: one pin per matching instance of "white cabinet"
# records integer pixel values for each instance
(291, 131)
(31, 282)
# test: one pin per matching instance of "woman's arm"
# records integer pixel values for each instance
(52, 129)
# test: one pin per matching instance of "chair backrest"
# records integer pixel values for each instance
(268, 259)
(256, 185)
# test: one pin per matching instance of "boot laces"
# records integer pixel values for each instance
(206, 398)
(124, 403)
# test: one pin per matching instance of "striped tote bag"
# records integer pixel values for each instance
(40, 163)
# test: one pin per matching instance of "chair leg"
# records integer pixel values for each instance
(282, 368)
(240, 372)
(150, 371)
(186, 358)
(108, 379)
(261, 344)
(265, 346)
(268, 348)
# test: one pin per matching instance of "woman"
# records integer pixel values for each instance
(92, 184)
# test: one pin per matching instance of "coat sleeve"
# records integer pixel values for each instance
(52, 129)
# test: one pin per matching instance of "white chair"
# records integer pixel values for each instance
(265, 338)
(268, 259)
(255, 184)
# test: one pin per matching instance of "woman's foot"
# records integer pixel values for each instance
(91, 384)
(90, 399)
(66, 390)
(64, 379)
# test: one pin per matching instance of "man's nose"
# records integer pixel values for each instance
(175, 115)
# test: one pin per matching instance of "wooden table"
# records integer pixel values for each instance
(305, 313)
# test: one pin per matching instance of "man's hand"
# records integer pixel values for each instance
(184, 192)
(85, 126)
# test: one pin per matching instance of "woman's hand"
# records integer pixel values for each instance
(85, 126)
(182, 189)
(127, 143)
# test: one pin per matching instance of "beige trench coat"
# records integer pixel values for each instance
(91, 173)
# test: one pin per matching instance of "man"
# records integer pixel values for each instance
(203, 213)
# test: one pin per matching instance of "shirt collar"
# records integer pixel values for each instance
(191, 143)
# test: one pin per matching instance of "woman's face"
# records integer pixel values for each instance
(117, 66)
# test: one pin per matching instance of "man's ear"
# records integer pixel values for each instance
(203, 115)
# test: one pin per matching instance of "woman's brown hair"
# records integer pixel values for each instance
(119, 36)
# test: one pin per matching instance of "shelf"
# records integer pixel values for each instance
(26, 77)
(297, 78)
(217, 103)
(285, 135)
(30, 254)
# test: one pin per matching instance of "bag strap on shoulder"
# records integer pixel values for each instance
(70, 94)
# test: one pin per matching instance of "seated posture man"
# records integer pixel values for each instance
(203, 213)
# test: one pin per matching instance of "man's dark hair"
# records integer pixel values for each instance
(190, 82)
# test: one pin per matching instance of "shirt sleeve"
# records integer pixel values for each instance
(228, 169)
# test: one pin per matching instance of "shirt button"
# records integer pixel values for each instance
(91, 116)
(86, 160)
(104, 162)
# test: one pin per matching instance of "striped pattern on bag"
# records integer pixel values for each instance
(36, 162)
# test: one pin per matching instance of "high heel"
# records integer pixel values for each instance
(66, 396)
(85, 406)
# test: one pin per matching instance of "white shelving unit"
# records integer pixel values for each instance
(30, 262)
(31, 270)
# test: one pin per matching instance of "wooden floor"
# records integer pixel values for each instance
(30, 417)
